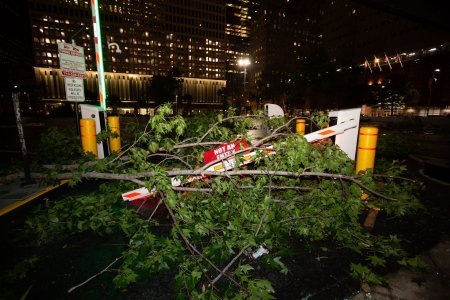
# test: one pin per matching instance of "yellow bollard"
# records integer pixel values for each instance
(367, 146)
(114, 126)
(300, 126)
(88, 136)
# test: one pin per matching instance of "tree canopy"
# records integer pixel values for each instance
(164, 88)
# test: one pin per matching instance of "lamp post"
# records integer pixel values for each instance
(244, 62)
(430, 87)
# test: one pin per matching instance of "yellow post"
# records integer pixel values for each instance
(114, 126)
(88, 136)
(300, 126)
(367, 146)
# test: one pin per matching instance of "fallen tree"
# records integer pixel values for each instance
(226, 224)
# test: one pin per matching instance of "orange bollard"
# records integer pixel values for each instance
(300, 126)
(114, 126)
(88, 136)
(367, 146)
(369, 222)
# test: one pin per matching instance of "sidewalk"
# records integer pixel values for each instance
(17, 194)
(435, 283)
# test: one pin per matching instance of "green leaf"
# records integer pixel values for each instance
(243, 269)
(377, 261)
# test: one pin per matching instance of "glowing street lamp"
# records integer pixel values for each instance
(430, 87)
(244, 62)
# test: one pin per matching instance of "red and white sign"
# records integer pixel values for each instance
(71, 60)
(223, 150)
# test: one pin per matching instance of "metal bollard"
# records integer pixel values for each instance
(88, 136)
(367, 146)
(114, 126)
(300, 126)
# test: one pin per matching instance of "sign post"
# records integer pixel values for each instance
(73, 68)
(26, 166)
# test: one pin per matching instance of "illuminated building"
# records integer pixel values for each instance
(239, 18)
(408, 38)
(353, 30)
(284, 34)
(141, 38)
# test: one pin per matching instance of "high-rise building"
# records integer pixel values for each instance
(141, 38)
(284, 34)
(353, 30)
(408, 39)
(318, 37)
(240, 16)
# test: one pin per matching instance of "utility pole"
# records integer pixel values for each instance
(26, 165)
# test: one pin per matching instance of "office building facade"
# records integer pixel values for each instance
(141, 38)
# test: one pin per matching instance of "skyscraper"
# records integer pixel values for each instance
(284, 34)
(240, 16)
(141, 38)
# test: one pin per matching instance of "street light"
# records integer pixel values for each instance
(430, 87)
(244, 62)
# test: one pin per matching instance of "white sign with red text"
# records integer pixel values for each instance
(71, 60)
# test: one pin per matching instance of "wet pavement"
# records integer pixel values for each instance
(403, 284)
(435, 282)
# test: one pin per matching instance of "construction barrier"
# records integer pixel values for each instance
(300, 126)
(88, 136)
(367, 146)
(114, 127)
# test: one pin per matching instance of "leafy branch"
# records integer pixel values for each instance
(301, 191)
